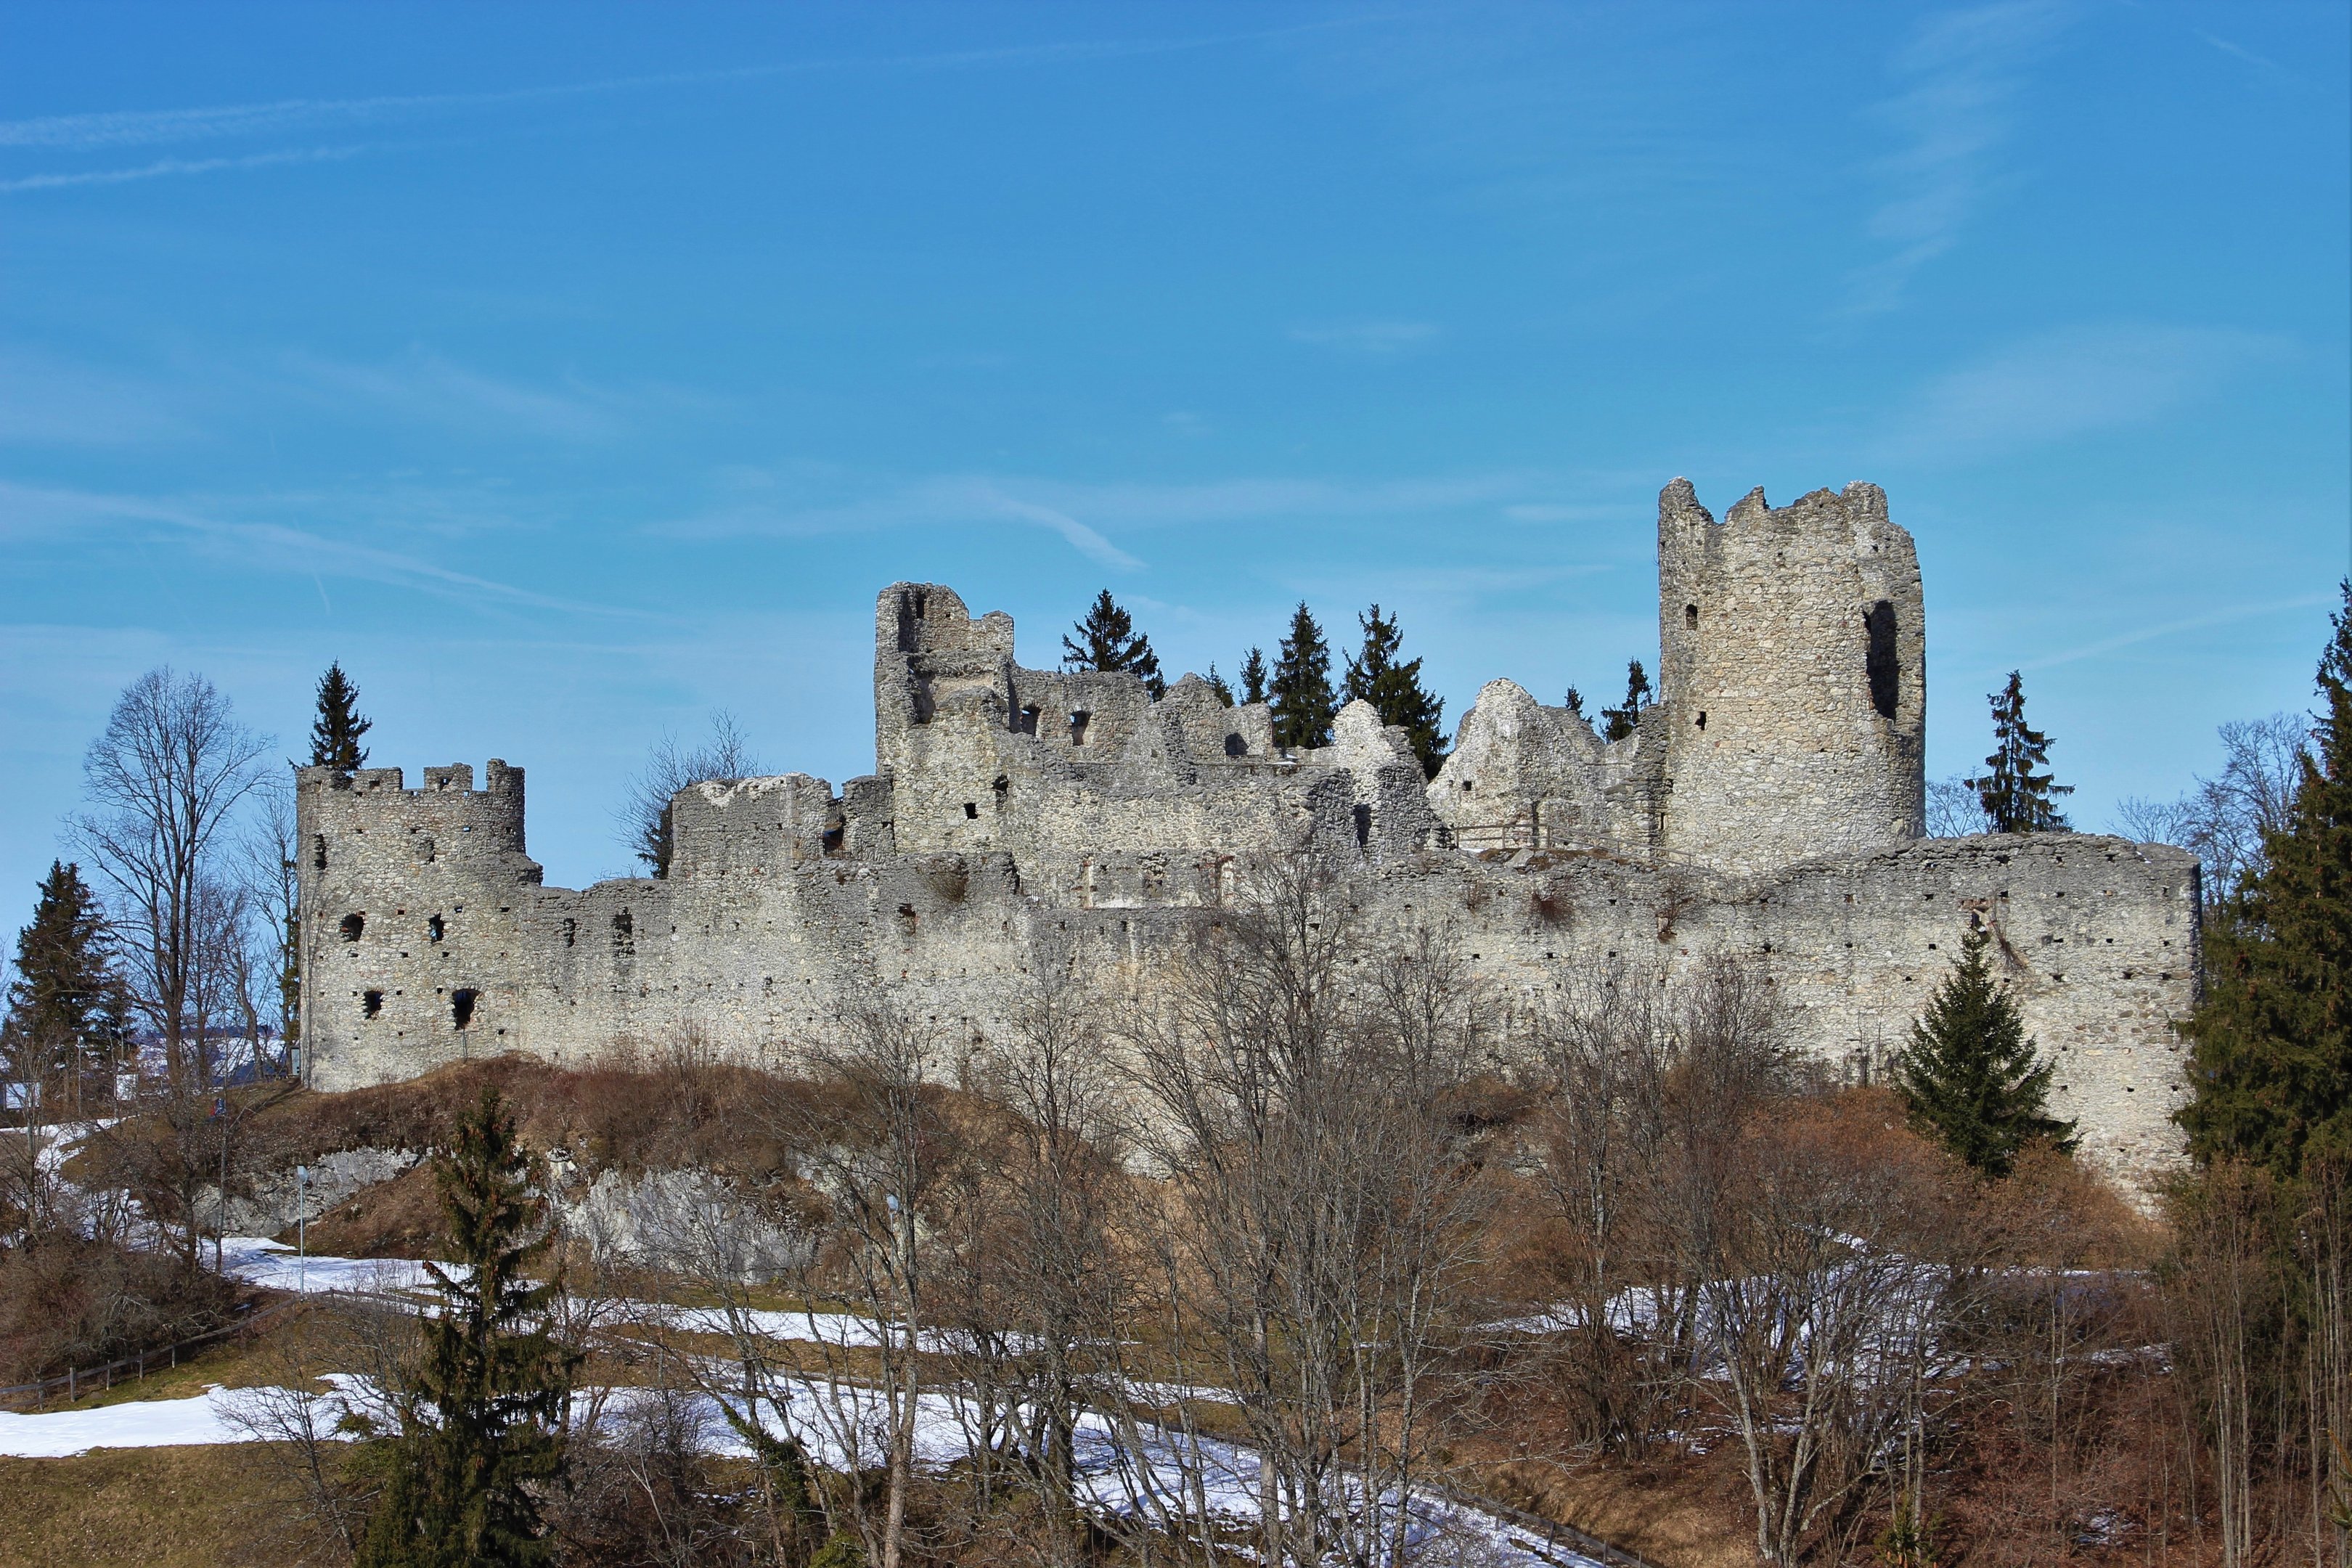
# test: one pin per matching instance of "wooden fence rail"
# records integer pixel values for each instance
(77, 1381)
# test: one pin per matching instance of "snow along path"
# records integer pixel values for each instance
(1110, 1476)
(275, 1266)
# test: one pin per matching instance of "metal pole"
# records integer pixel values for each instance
(301, 1230)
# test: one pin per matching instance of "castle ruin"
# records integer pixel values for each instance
(1772, 804)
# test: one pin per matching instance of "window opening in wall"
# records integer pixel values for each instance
(371, 1004)
(571, 932)
(461, 1007)
(433, 927)
(1363, 826)
(318, 851)
(354, 925)
(1002, 785)
(1078, 727)
(1690, 617)
(1027, 724)
(1880, 661)
(1701, 718)
(971, 810)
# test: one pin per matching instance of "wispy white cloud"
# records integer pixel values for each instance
(110, 130)
(2139, 635)
(751, 509)
(164, 168)
(1563, 512)
(1142, 505)
(28, 512)
(1374, 338)
(1094, 517)
(1963, 72)
(426, 387)
(164, 127)
(1085, 541)
(2242, 52)
(2064, 385)
(49, 402)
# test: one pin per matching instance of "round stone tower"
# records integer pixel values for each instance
(1793, 679)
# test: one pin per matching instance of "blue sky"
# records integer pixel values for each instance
(570, 373)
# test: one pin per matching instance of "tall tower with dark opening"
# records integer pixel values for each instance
(1794, 688)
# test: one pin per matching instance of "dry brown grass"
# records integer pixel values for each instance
(398, 1218)
(157, 1508)
(1682, 1514)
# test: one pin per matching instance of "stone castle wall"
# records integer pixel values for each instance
(1011, 807)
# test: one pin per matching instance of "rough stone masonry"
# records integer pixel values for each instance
(1771, 804)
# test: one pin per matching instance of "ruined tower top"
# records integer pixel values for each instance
(1793, 664)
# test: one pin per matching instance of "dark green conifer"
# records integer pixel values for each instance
(2016, 799)
(1969, 1077)
(66, 994)
(335, 733)
(1253, 677)
(1107, 639)
(1374, 676)
(1616, 723)
(1575, 702)
(2271, 1062)
(1304, 703)
(493, 1379)
(1218, 684)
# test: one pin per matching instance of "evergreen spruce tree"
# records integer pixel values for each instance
(2016, 799)
(1969, 1077)
(1218, 684)
(1574, 703)
(492, 1385)
(335, 733)
(1616, 723)
(1374, 676)
(1107, 640)
(1253, 677)
(66, 994)
(1303, 703)
(2271, 1062)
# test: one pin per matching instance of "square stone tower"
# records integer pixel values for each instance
(1794, 685)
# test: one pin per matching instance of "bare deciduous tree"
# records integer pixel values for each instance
(1954, 810)
(266, 870)
(1321, 1221)
(645, 817)
(880, 1154)
(1036, 1264)
(163, 780)
(2223, 818)
(1601, 1053)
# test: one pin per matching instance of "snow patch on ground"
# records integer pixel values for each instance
(140, 1424)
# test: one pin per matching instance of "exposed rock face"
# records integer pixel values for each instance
(1769, 803)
